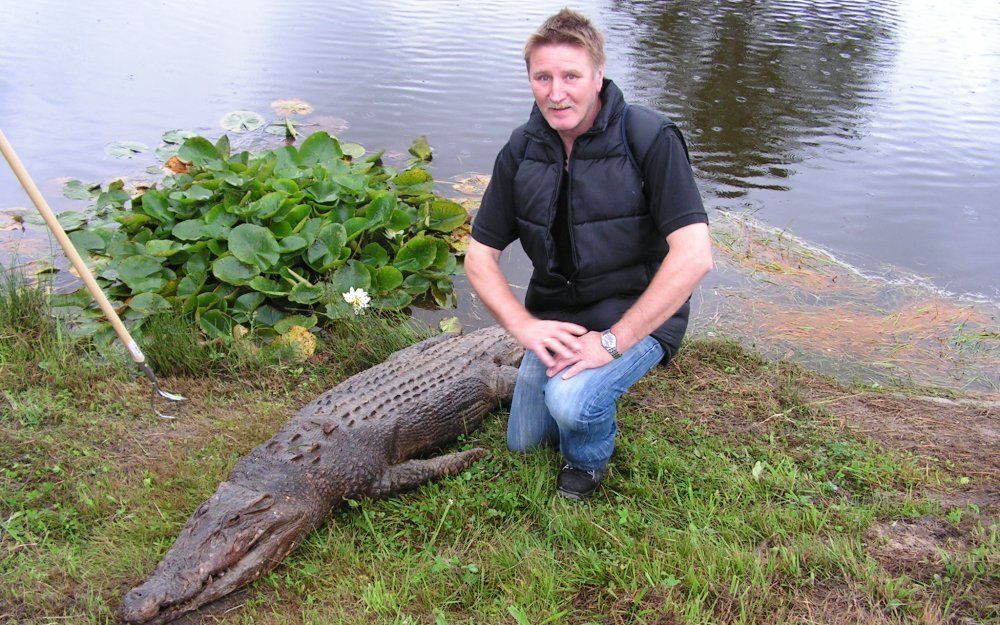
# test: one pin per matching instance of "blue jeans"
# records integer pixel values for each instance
(578, 414)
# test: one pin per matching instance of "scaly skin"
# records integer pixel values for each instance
(356, 440)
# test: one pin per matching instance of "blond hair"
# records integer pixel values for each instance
(568, 27)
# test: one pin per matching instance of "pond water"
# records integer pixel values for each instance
(867, 129)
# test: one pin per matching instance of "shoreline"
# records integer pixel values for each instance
(790, 300)
(780, 296)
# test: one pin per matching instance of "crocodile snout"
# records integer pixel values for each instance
(141, 604)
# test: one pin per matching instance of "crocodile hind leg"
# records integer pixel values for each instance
(413, 473)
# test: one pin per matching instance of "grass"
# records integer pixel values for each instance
(735, 496)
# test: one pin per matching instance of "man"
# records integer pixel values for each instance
(602, 197)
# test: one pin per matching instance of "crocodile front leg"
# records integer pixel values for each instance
(414, 473)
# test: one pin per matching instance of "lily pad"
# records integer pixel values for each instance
(125, 149)
(198, 151)
(446, 215)
(76, 190)
(268, 287)
(149, 304)
(254, 245)
(71, 220)
(190, 230)
(234, 238)
(174, 165)
(417, 254)
(318, 148)
(231, 270)
(374, 255)
(86, 241)
(242, 121)
(421, 149)
(352, 275)
(141, 273)
(354, 150)
(306, 293)
(414, 181)
(267, 315)
(291, 106)
(286, 128)
(388, 278)
(392, 301)
(166, 151)
(325, 250)
(42, 267)
(247, 303)
(177, 136)
(451, 324)
(216, 324)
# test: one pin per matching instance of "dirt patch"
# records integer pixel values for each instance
(214, 407)
(835, 603)
(967, 436)
(914, 547)
(930, 548)
(591, 603)
(986, 498)
(730, 392)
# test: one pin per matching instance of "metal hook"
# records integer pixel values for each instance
(159, 391)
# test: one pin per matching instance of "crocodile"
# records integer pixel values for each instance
(366, 437)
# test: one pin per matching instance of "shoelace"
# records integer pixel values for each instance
(592, 474)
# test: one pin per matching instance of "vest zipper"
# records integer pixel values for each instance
(569, 224)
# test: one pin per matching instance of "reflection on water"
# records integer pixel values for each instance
(869, 128)
(761, 86)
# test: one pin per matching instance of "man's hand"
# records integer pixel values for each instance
(542, 337)
(482, 266)
(591, 356)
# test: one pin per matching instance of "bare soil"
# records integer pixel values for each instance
(965, 435)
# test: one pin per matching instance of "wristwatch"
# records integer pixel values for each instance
(610, 343)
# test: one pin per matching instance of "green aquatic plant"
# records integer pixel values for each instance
(270, 240)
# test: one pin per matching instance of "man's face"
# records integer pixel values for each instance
(566, 86)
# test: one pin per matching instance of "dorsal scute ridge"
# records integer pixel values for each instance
(401, 381)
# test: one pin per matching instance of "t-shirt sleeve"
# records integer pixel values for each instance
(494, 225)
(674, 200)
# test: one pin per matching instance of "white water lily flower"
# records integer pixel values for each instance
(358, 299)
(393, 234)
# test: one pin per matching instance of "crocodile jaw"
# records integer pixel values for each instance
(232, 539)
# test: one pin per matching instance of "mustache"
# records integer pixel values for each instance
(558, 106)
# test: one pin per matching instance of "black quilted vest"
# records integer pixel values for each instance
(615, 244)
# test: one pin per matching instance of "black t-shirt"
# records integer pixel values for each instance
(560, 230)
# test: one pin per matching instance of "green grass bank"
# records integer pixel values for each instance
(741, 491)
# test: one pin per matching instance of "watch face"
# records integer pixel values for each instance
(608, 340)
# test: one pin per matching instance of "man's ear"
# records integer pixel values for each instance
(599, 74)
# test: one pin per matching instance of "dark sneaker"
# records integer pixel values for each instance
(578, 484)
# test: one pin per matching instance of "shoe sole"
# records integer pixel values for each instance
(574, 496)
